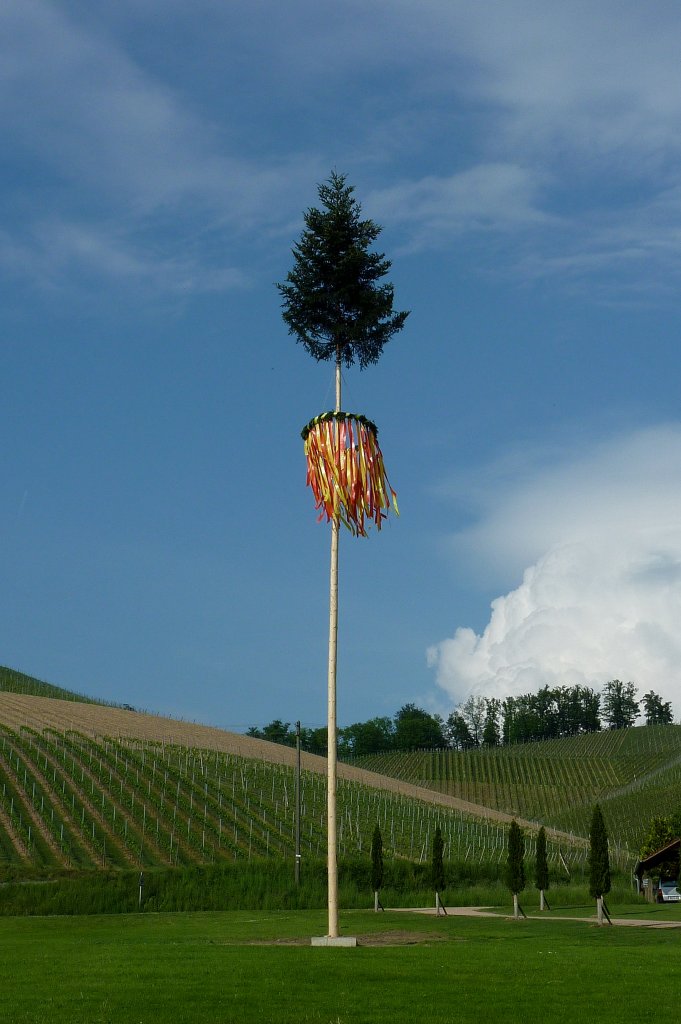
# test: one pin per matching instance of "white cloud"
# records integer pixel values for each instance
(553, 125)
(602, 597)
(487, 197)
(577, 118)
(579, 78)
(53, 250)
(83, 106)
(94, 136)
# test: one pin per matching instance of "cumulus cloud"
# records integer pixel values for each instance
(601, 598)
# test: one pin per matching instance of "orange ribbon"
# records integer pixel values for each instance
(346, 473)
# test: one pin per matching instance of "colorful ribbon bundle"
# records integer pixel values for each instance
(345, 471)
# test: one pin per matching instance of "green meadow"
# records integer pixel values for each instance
(232, 967)
(224, 933)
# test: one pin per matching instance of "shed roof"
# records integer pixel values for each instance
(653, 859)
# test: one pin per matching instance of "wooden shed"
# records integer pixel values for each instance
(647, 865)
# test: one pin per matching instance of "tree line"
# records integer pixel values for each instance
(411, 728)
(550, 713)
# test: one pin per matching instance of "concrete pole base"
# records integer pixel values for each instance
(333, 940)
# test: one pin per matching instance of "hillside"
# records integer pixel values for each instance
(12, 681)
(87, 785)
(84, 786)
(633, 773)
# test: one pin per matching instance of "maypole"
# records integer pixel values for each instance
(346, 473)
(335, 307)
(331, 720)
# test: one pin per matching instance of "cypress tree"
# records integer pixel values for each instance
(541, 867)
(376, 864)
(599, 861)
(515, 866)
(437, 866)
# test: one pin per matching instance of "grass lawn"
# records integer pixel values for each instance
(207, 969)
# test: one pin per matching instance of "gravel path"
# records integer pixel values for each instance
(626, 922)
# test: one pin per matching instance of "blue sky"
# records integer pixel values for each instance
(157, 543)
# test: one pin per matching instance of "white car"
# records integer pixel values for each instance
(668, 892)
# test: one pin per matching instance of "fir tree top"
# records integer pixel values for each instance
(333, 302)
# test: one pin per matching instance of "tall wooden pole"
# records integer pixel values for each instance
(332, 854)
(297, 861)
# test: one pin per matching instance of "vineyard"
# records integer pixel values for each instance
(85, 785)
(70, 800)
(633, 773)
(79, 790)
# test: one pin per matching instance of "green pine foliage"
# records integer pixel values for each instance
(515, 863)
(333, 301)
(599, 859)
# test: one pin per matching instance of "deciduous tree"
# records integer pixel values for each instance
(276, 732)
(473, 713)
(656, 710)
(619, 704)
(415, 729)
(371, 737)
(491, 736)
(457, 732)
(661, 832)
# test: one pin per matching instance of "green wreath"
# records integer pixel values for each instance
(324, 417)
